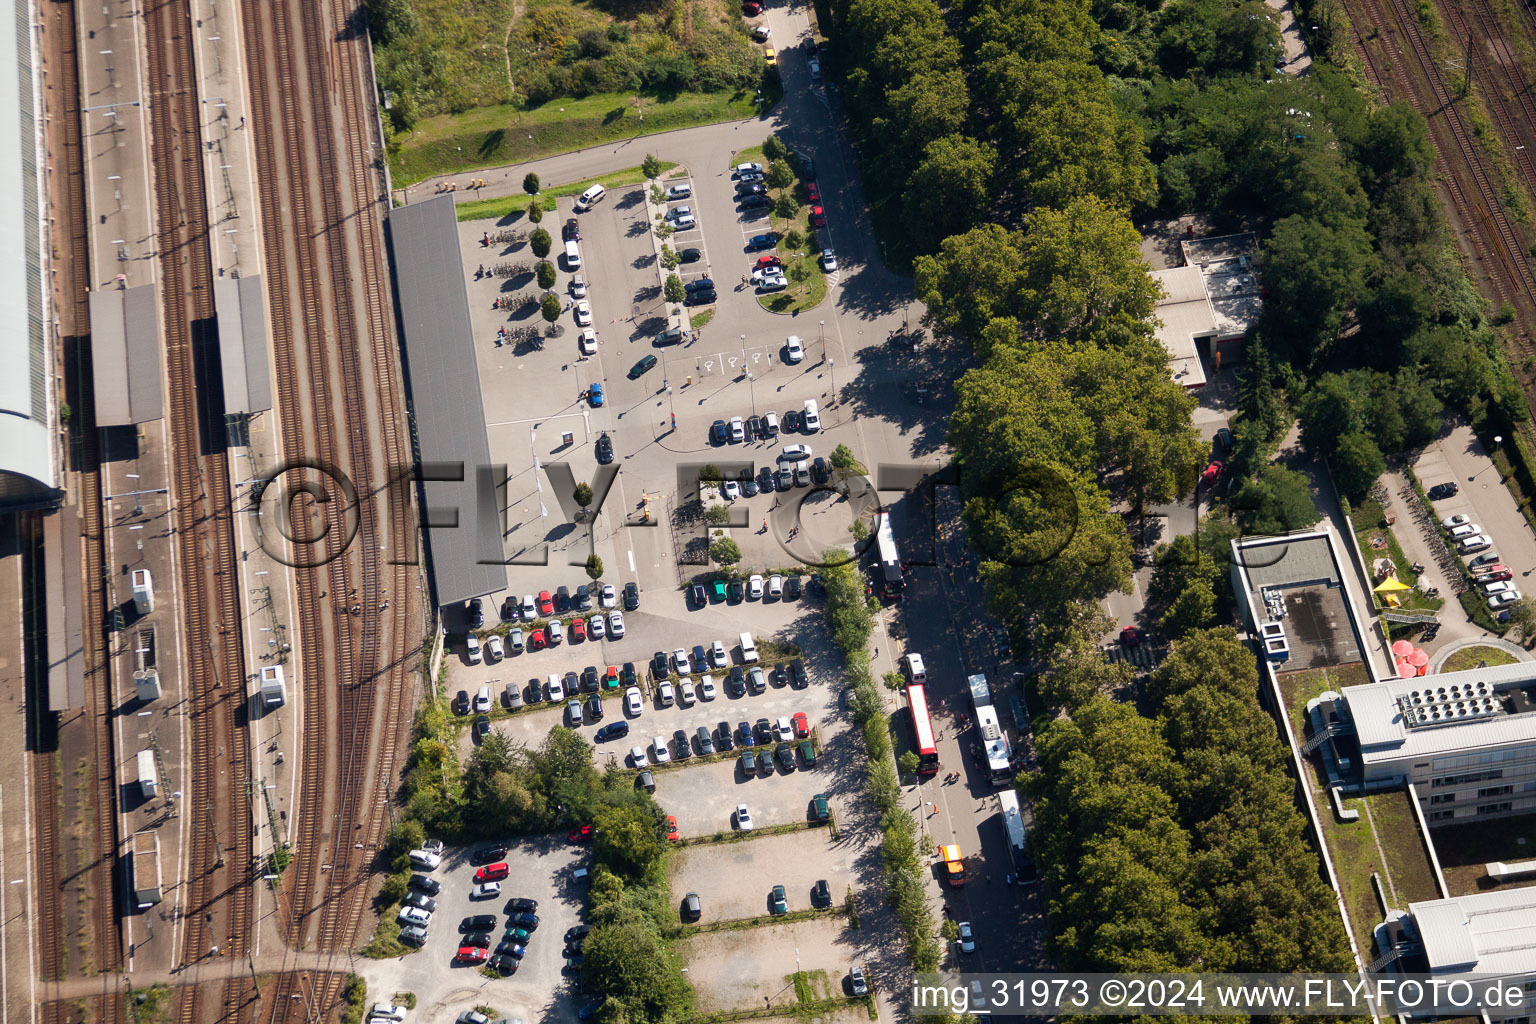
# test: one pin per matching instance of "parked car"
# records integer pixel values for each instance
(778, 901)
(1439, 492)
(612, 731)
(485, 891)
(1476, 542)
(1465, 530)
(1503, 600)
(794, 351)
(632, 701)
(680, 191)
(1486, 558)
(766, 241)
(828, 260)
(743, 818)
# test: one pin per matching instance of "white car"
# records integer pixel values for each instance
(743, 818)
(738, 429)
(730, 490)
(682, 191)
(616, 624)
(828, 260)
(608, 597)
(760, 33)
(1476, 542)
(587, 342)
(749, 169)
(776, 283)
(810, 418)
(427, 860)
(596, 627)
(775, 586)
(784, 729)
(1465, 530)
(1498, 587)
(795, 453)
(771, 424)
(555, 632)
(494, 649)
(556, 688)
(472, 649)
(707, 689)
(685, 695)
(483, 699)
(685, 221)
(1451, 522)
(681, 663)
(414, 915)
(967, 938)
(659, 749)
(793, 350)
(530, 610)
(1503, 600)
(718, 655)
(633, 703)
(754, 587)
(389, 1011)
(485, 891)
(666, 695)
(678, 212)
(637, 755)
(583, 313)
(579, 286)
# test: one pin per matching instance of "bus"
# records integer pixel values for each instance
(891, 581)
(922, 730)
(995, 749)
(1013, 825)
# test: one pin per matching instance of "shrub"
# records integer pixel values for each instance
(531, 183)
(540, 243)
(550, 307)
(544, 273)
(724, 550)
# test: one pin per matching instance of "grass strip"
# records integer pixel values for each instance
(499, 207)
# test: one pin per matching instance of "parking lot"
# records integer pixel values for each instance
(733, 879)
(541, 870)
(740, 968)
(705, 797)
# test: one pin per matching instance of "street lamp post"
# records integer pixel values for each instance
(832, 369)
(822, 334)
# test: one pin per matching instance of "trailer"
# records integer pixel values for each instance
(149, 777)
(1013, 825)
(145, 866)
(981, 692)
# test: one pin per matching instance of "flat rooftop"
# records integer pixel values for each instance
(1228, 270)
(1448, 713)
(1296, 580)
(1487, 933)
(1184, 315)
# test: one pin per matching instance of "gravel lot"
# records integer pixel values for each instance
(733, 879)
(739, 968)
(705, 797)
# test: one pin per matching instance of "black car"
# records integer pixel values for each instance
(737, 591)
(572, 230)
(786, 755)
(706, 742)
(671, 336)
(562, 599)
(797, 677)
(584, 598)
(478, 923)
(755, 201)
(412, 938)
(487, 854)
(683, 749)
(749, 487)
(696, 592)
(604, 452)
(790, 421)
(717, 432)
(577, 931)
(426, 884)
(525, 920)
(821, 894)
(723, 739)
(1445, 490)
(821, 471)
(627, 676)
(511, 611)
(780, 674)
(767, 241)
(750, 188)
(476, 613)
(589, 679)
(692, 909)
(792, 588)
(646, 781)
(522, 905)
(572, 684)
(690, 255)
(503, 964)
(631, 596)
(481, 940)
(659, 669)
(595, 708)
(762, 731)
(699, 298)
(736, 682)
(461, 703)
(611, 731)
(703, 284)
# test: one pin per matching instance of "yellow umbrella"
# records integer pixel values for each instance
(1390, 585)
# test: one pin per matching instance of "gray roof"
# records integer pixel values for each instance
(28, 468)
(242, 313)
(125, 355)
(1381, 723)
(461, 524)
(1492, 933)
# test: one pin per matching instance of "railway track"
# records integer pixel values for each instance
(216, 909)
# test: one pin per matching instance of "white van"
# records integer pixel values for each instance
(591, 197)
(572, 256)
(913, 664)
(748, 649)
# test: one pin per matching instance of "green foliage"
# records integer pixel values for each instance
(1394, 411)
(1077, 669)
(390, 20)
(650, 166)
(628, 840)
(774, 149)
(842, 457)
(531, 183)
(1357, 465)
(1194, 608)
(594, 567)
(709, 471)
(1276, 500)
(635, 977)
(583, 494)
(540, 242)
(550, 307)
(536, 212)
(908, 762)
(779, 175)
(354, 993)
(717, 515)
(1314, 271)
(670, 260)
(544, 273)
(674, 289)
(724, 551)
(786, 205)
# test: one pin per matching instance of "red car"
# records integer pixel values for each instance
(802, 725)
(1212, 472)
(769, 261)
(813, 193)
(472, 955)
(546, 606)
(818, 217)
(493, 872)
(536, 640)
(611, 678)
(672, 828)
(751, 8)
(578, 629)
(581, 834)
(1130, 636)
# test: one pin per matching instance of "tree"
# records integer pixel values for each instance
(627, 966)
(391, 20)
(908, 762)
(1313, 272)
(536, 212)
(842, 457)
(531, 183)
(950, 190)
(800, 271)
(551, 307)
(594, 567)
(540, 242)
(1077, 669)
(780, 175)
(1194, 608)
(670, 260)
(544, 274)
(1357, 465)
(709, 471)
(774, 149)
(650, 166)
(583, 494)
(674, 289)
(724, 551)
(717, 515)
(786, 205)
(1276, 500)
(1523, 614)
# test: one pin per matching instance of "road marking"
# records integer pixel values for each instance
(631, 559)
